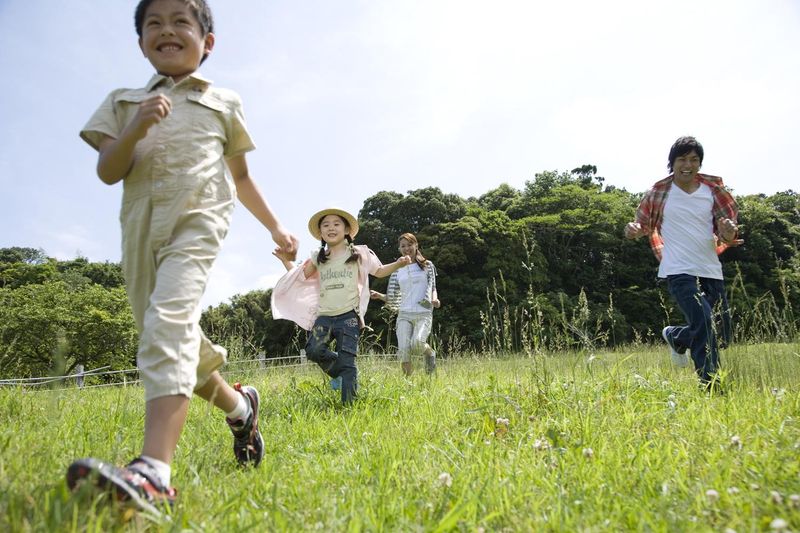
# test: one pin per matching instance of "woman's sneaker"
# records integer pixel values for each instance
(248, 446)
(136, 485)
(678, 355)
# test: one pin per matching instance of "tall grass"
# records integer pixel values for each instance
(607, 441)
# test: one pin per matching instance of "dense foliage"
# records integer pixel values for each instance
(542, 268)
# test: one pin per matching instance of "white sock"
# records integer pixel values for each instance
(241, 411)
(163, 470)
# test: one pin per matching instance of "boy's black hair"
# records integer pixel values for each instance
(199, 8)
(683, 146)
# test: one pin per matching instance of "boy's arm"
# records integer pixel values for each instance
(251, 197)
(385, 270)
(116, 155)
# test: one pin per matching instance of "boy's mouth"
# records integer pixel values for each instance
(169, 47)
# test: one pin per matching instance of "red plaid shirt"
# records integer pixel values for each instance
(650, 213)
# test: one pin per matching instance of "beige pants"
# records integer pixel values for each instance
(168, 246)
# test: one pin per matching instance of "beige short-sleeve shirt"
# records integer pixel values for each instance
(186, 151)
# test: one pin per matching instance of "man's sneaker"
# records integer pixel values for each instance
(678, 355)
(248, 446)
(336, 383)
(136, 484)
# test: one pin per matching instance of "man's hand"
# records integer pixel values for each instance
(633, 230)
(727, 229)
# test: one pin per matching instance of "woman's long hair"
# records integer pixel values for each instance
(322, 256)
(418, 258)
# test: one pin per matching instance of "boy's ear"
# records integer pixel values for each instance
(209, 43)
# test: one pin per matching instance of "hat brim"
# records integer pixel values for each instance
(313, 222)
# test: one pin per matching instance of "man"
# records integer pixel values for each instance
(690, 219)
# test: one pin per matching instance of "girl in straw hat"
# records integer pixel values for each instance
(328, 294)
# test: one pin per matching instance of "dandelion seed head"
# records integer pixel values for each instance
(779, 524)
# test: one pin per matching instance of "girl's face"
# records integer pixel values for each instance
(333, 229)
(408, 248)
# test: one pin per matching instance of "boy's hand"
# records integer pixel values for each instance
(375, 295)
(151, 111)
(285, 257)
(286, 241)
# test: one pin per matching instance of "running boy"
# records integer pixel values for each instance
(170, 143)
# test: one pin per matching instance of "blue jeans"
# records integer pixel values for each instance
(697, 298)
(344, 329)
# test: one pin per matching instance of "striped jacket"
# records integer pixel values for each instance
(394, 296)
(650, 213)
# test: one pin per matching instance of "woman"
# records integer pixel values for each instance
(412, 293)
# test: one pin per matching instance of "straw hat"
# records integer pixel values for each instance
(313, 223)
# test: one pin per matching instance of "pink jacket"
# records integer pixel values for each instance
(296, 297)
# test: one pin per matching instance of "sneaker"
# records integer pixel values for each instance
(136, 484)
(336, 383)
(248, 446)
(678, 355)
(430, 363)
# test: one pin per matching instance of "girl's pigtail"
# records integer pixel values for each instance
(353, 253)
(322, 256)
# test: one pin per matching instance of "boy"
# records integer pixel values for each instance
(690, 219)
(170, 143)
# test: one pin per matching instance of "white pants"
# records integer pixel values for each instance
(412, 333)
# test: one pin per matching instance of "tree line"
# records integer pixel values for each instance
(544, 268)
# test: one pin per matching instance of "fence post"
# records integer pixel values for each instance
(79, 377)
(302, 356)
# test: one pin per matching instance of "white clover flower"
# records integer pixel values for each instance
(779, 524)
(730, 530)
(588, 453)
(755, 486)
(541, 444)
(733, 490)
(671, 405)
(712, 495)
(794, 501)
(736, 442)
(445, 479)
(776, 497)
(664, 489)
(501, 421)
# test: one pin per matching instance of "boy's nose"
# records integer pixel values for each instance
(167, 30)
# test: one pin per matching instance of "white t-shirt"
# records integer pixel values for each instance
(413, 282)
(688, 233)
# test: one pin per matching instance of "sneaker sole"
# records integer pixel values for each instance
(104, 476)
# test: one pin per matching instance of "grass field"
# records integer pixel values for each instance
(608, 442)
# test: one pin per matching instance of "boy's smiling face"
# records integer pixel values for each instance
(172, 39)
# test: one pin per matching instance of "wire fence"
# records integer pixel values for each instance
(77, 379)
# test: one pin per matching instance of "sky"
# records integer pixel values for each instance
(348, 98)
